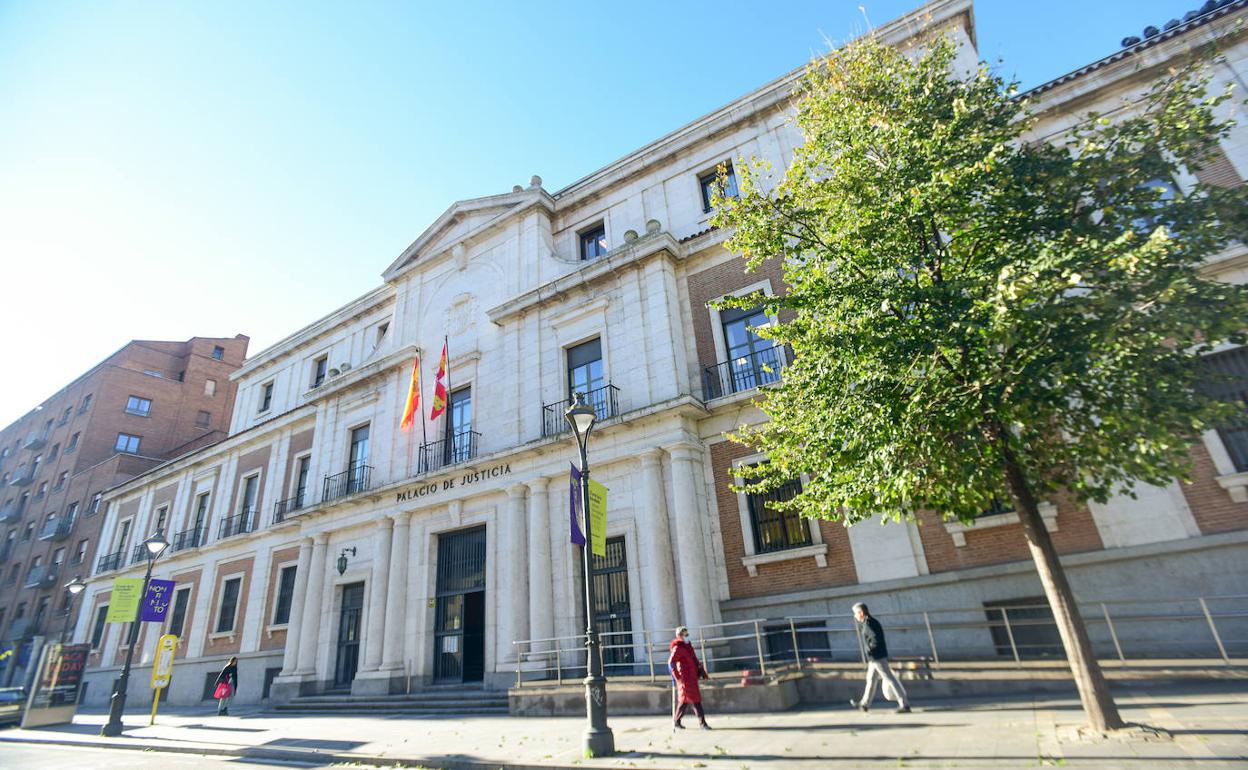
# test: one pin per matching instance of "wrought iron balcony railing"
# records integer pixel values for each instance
(284, 509)
(604, 400)
(743, 373)
(188, 538)
(109, 561)
(238, 524)
(22, 476)
(41, 576)
(5, 550)
(57, 529)
(35, 441)
(353, 480)
(11, 512)
(452, 450)
(138, 554)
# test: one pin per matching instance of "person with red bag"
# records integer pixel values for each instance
(227, 685)
(686, 670)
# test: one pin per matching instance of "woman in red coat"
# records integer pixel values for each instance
(685, 668)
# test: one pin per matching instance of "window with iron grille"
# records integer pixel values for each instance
(229, 605)
(285, 596)
(776, 530)
(1226, 377)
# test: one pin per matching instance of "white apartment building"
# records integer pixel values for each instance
(328, 549)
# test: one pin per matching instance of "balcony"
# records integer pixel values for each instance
(604, 400)
(138, 554)
(743, 373)
(284, 509)
(21, 628)
(109, 561)
(57, 529)
(11, 512)
(188, 538)
(237, 525)
(354, 480)
(452, 450)
(35, 441)
(6, 550)
(22, 476)
(42, 576)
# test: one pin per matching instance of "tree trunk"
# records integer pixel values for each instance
(1093, 690)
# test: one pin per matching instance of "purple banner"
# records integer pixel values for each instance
(155, 606)
(574, 506)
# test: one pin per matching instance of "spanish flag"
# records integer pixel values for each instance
(439, 388)
(412, 408)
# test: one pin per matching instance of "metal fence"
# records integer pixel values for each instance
(1196, 627)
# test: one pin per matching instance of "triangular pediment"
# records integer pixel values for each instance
(461, 221)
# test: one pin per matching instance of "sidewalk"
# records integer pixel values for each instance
(1207, 726)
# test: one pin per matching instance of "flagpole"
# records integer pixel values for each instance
(424, 424)
(446, 346)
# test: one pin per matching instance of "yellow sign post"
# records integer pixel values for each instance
(162, 669)
(598, 517)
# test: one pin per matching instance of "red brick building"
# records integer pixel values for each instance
(148, 402)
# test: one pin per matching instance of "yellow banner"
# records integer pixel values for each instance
(598, 517)
(123, 605)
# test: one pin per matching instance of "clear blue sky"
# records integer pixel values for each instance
(170, 169)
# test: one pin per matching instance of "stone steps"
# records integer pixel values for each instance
(449, 701)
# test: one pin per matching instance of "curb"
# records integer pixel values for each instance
(299, 755)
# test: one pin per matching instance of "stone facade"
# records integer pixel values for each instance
(396, 585)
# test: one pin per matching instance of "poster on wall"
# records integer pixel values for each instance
(54, 697)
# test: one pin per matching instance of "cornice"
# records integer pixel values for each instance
(359, 375)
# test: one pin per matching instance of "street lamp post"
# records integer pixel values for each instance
(73, 587)
(599, 740)
(155, 545)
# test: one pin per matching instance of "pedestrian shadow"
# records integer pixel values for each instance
(312, 743)
(227, 729)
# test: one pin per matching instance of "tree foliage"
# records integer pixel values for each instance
(960, 294)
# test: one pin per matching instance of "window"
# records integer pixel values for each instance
(180, 376)
(34, 465)
(777, 530)
(21, 502)
(285, 596)
(138, 405)
(53, 452)
(319, 367)
(60, 481)
(69, 410)
(459, 439)
(177, 618)
(71, 512)
(593, 242)
(585, 373)
(58, 556)
(123, 534)
(301, 480)
(381, 333)
(1226, 377)
(210, 387)
(13, 573)
(229, 605)
(41, 610)
(203, 419)
(266, 397)
(201, 510)
(80, 553)
(127, 443)
(97, 633)
(162, 516)
(94, 507)
(73, 443)
(251, 485)
(357, 471)
(752, 360)
(21, 611)
(43, 489)
(218, 352)
(86, 404)
(710, 184)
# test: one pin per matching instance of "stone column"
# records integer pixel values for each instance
(541, 589)
(417, 599)
(396, 594)
(310, 633)
(374, 635)
(513, 595)
(294, 629)
(696, 604)
(658, 577)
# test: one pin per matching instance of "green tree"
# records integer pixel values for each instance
(979, 317)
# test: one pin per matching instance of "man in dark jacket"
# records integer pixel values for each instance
(877, 663)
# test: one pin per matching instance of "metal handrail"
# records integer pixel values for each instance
(604, 400)
(742, 373)
(282, 509)
(1121, 629)
(188, 538)
(353, 480)
(237, 524)
(109, 561)
(452, 450)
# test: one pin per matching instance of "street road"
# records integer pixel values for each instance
(17, 757)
